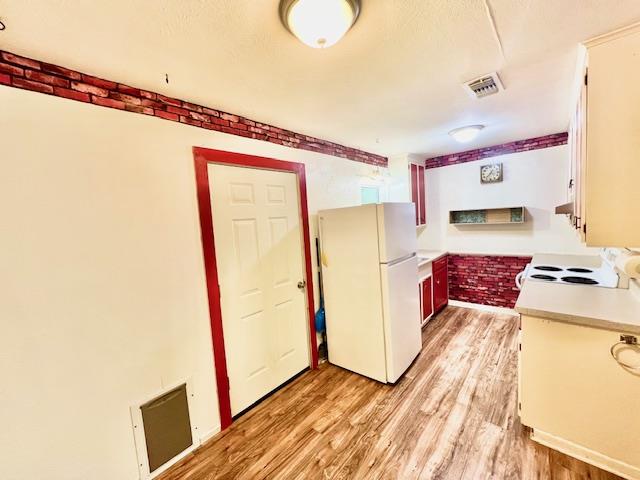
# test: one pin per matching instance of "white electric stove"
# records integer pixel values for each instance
(603, 276)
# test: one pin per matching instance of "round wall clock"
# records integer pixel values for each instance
(491, 173)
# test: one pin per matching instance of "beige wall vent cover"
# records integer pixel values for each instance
(484, 86)
(163, 429)
(167, 426)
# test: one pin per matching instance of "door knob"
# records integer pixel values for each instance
(302, 284)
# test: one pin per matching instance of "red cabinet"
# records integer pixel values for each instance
(440, 284)
(427, 299)
(433, 290)
(422, 201)
(418, 195)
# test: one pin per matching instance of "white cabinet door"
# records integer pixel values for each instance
(576, 397)
(259, 251)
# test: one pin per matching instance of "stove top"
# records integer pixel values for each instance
(581, 280)
(548, 278)
(547, 268)
(570, 275)
(579, 270)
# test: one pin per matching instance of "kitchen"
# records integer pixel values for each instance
(238, 245)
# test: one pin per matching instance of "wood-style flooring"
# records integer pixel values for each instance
(452, 416)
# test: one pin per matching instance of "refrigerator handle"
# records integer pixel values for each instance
(400, 260)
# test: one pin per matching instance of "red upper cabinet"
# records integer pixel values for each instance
(422, 202)
(416, 181)
(413, 181)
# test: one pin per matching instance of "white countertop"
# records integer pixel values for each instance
(427, 256)
(610, 308)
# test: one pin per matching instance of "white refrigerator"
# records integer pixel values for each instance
(370, 279)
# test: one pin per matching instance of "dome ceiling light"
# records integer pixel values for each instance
(319, 23)
(466, 134)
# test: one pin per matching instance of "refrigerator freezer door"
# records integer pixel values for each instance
(401, 307)
(396, 231)
(352, 290)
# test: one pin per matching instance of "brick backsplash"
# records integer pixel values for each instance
(485, 279)
(28, 74)
(495, 150)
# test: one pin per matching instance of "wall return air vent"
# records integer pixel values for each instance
(484, 86)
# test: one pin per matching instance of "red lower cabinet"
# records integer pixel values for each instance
(427, 298)
(440, 286)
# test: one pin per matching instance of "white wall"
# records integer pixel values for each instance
(536, 180)
(102, 287)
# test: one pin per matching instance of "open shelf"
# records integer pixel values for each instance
(487, 216)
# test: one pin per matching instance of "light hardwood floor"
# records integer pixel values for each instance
(452, 416)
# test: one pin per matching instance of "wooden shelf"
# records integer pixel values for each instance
(487, 216)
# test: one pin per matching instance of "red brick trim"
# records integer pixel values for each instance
(512, 147)
(29, 74)
(485, 279)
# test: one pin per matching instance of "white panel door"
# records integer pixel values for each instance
(259, 252)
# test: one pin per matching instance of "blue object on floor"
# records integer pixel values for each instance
(320, 319)
(321, 324)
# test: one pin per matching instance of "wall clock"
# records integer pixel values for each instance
(491, 173)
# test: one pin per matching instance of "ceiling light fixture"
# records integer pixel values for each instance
(466, 134)
(319, 23)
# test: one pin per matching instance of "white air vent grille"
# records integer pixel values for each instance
(484, 86)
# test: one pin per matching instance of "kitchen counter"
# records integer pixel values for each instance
(428, 256)
(610, 308)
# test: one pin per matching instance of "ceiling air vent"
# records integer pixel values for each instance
(484, 86)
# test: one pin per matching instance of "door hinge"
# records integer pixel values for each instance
(519, 405)
(586, 79)
(520, 347)
(584, 228)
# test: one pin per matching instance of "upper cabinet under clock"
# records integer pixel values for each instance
(418, 193)
(604, 188)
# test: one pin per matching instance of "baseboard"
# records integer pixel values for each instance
(484, 308)
(591, 457)
(205, 437)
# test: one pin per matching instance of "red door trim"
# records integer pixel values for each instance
(203, 157)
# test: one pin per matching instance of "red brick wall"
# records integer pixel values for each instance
(37, 76)
(512, 147)
(485, 279)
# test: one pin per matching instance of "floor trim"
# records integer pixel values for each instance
(591, 457)
(484, 308)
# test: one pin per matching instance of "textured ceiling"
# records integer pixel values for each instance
(392, 85)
